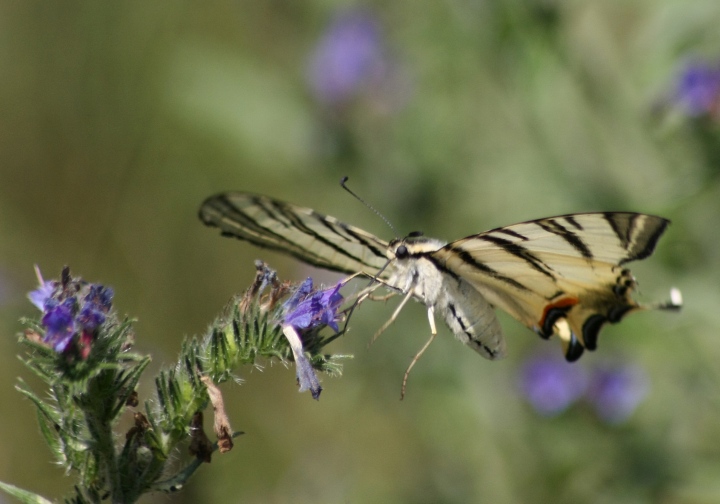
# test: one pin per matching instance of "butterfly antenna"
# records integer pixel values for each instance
(342, 183)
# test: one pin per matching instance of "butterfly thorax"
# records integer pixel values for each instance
(412, 245)
(411, 267)
(415, 268)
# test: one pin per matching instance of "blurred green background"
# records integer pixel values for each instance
(451, 117)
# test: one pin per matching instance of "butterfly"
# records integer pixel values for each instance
(561, 276)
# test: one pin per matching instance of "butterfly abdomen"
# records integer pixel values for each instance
(472, 319)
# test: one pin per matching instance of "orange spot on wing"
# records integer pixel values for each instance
(563, 303)
(557, 309)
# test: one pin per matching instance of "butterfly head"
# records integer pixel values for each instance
(412, 245)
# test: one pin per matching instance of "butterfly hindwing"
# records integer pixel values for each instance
(559, 276)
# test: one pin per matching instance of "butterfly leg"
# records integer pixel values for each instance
(392, 317)
(366, 293)
(359, 298)
(381, 298)
(433, 333)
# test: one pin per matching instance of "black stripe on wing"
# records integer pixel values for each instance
(296, 223)
(614, 237)
(275, 225)
(519, 251)
(217, 211)
(359, 238)
(638, 233)
(468, 259)
(553, 226)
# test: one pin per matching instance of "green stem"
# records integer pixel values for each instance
(105, 450)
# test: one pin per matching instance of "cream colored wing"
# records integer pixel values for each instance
(562, 275)
(310, 236)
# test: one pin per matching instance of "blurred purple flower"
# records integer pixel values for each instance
(697, 90)
(350, 59)
(616, 390)
(347, 57)
(613, 388)
(551, 384)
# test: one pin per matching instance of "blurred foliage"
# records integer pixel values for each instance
(120, 118)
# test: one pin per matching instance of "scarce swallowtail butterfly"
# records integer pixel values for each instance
(562, 276)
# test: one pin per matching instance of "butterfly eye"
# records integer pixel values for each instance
(401, 252)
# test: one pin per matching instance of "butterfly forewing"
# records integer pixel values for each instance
(312, 237)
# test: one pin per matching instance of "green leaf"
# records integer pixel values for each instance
(47, 411)
(24, 495)
(127, 383)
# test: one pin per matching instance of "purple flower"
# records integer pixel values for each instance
(302, 292)
(59, 323)
(73, 310)
(97, 303)
(697, 90)
(551, 384)
(308, 309)
(616, 390)
(39, 296)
